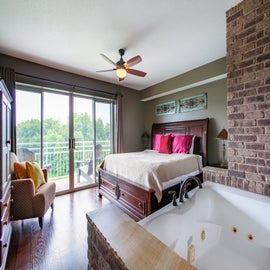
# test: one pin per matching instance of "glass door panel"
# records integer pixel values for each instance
(83, 134)
(56, 139)
(103, 133)
(28, 128)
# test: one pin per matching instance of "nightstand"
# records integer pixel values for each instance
(215, 174)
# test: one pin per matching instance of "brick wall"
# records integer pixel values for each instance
(248, 98)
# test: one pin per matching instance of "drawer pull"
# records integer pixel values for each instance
(123, 194)
(5, 245)
(11, 200)
(140, 205)
(5, 222)
(5, 204)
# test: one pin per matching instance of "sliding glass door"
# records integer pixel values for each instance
(55, 138)
(93, 138)
(84, 137)
(67, 134)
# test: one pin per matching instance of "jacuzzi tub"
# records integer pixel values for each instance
(218, 228)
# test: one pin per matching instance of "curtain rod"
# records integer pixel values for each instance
(66, 84)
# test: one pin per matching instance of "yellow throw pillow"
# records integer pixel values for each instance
(20, 170)
(34, 171)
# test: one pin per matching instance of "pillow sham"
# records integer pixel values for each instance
(156, 143)
(165, 144)
(182, 144)
(162, 143)
(191, 150)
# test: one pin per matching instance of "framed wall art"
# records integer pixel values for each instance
(165, 108)
(193, 103)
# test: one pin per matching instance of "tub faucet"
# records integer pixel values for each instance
(174, 203)
(183, 187)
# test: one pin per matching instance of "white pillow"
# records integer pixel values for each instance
(191, 150)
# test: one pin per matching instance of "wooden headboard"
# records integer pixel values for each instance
(199, 128)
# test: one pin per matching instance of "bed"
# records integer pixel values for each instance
(139, 200)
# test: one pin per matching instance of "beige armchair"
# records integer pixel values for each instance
(29, 202)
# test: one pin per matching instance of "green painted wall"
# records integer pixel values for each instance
(202, 73)
(216, 110)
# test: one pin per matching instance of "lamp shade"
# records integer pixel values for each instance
(223, 134)
(121, 73)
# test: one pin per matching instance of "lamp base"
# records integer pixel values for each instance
(223, 165)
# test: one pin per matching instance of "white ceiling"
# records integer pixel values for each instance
(171, 36)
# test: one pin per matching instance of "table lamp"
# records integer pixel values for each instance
(223, 135)
(145, 139)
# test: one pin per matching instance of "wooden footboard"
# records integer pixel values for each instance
(135, 200)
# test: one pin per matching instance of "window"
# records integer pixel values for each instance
(67, 133)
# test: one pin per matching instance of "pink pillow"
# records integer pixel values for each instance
(156, 144)
(182, 143)
(165, 144)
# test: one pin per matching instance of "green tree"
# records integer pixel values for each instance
(55, 132)
(103, 131)
(83, 127)
(28, 131)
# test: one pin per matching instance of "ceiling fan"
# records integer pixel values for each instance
(122, 67)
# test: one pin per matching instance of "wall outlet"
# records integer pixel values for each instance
(191, 254)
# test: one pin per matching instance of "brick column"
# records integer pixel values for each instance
(248, 98)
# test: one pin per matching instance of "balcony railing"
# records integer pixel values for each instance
(56, 155)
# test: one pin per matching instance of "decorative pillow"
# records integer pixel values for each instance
(182, 144)
(165, 144)
(191, 150)
(156, 144)
(20, 170)
(34, 171)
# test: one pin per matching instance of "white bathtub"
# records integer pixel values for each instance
(218, 228)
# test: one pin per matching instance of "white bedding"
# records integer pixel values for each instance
(152, 169)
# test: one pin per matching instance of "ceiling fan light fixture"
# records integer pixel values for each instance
(122, 68)
(121, 73)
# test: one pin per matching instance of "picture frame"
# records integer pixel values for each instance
(165, 108)
(193, 103)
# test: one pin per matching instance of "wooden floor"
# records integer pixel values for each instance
(62, 243)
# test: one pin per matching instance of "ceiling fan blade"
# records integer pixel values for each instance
(136, 72)
(106, 70)
(108, 59)
(133, 61)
